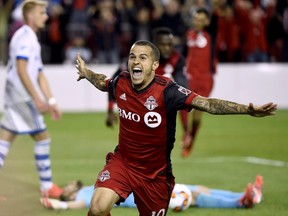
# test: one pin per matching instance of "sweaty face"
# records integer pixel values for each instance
(165, 45)
(142, 66)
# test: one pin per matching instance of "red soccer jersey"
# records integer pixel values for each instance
(148, 122)
(167, 66)
(198, 59)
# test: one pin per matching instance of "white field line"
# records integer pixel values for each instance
(263, 161)
(248, 159)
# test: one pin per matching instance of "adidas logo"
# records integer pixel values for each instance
(123, 96)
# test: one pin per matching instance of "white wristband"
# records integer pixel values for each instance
(63, 205)
(52, 101)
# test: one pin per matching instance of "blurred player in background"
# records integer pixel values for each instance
(147, 106)
(77, 196)
(171, 65)
(23, 106)
(201, 65)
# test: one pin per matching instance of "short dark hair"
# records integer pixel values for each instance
(161, 31)
(65, 197)
(205, 11)
(155, 50)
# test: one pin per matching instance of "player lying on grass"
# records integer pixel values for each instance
(78, 196)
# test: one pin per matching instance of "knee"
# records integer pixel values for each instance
(96, 209)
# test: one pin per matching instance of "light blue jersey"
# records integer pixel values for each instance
(85, 194)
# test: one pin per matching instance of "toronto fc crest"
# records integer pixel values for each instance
(105, 175)
(150, 103)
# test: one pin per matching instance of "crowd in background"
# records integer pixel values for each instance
(103, 30)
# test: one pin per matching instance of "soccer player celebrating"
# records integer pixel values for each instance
(147, 105)
(171, 65)
(201, 66)
(23, 105)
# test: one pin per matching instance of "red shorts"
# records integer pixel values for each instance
(151, 195)
(203, 87)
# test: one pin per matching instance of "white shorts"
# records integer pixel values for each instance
(23, 118)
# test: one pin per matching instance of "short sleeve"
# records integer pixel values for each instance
(23, 49)
(111, 85)
(178, 97)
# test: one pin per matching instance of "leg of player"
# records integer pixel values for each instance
(102, 201)
(196, 122)
(43, 165)
(6, 139)
(204, 197)
(184, 116)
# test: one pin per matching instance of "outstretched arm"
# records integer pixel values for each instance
(62, 205)
(98, 80)
(223, 107)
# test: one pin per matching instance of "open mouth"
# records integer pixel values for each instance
(137, 73)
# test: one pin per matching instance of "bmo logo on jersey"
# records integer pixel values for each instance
(128, 115)
(152, 119)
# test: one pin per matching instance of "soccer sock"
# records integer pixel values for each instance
(195, 128)
(43, 163)
(184, 119)
(211, 201)
(4, 149)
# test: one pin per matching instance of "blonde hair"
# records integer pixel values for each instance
(29, 5)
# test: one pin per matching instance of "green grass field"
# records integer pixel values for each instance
(229, 152)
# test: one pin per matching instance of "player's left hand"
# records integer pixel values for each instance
(51, 203)
(261, 111)
(55, 112)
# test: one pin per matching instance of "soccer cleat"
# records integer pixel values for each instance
(247, 200)
(257, 187)
(54, 192)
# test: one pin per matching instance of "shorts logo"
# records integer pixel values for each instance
(152, 119)
(184, 90)
(150, 103)
(105, 175)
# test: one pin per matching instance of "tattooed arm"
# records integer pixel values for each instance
(98, 80)
(222, 107)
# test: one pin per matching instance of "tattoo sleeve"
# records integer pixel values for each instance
(98, 80)
(218, 106)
